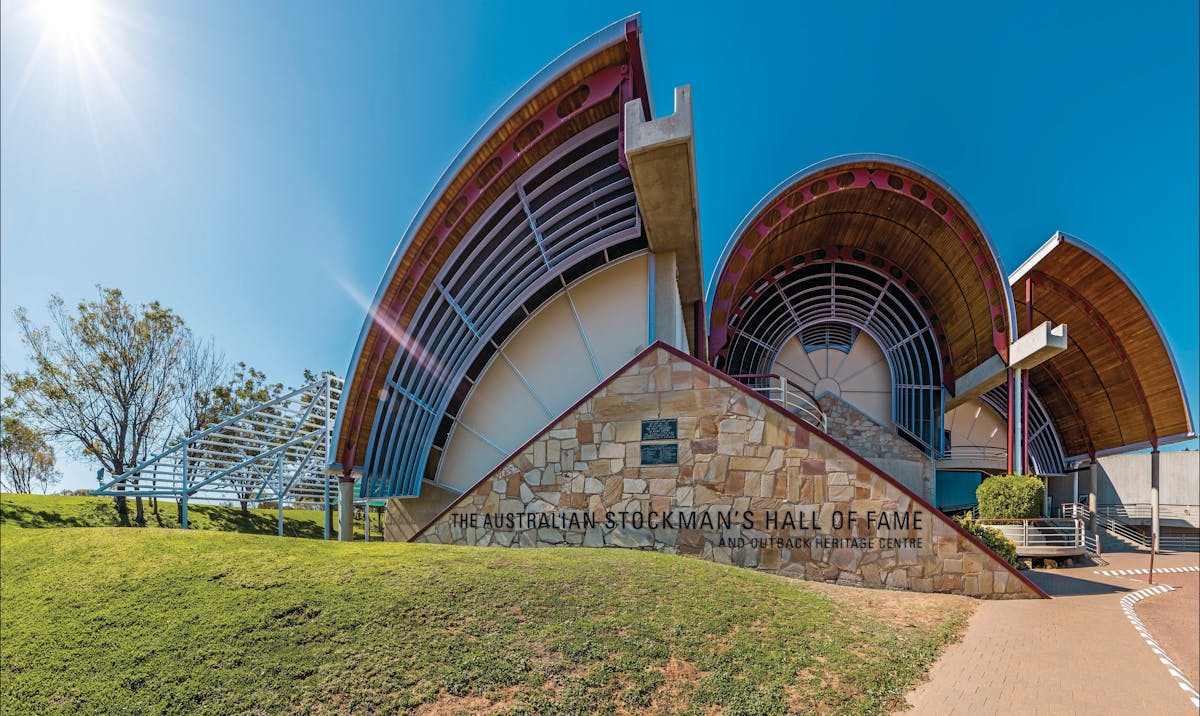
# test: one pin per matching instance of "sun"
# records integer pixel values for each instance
(70, 24)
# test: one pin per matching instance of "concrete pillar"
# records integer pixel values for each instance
(1017, 429)
(1093, 484)
(666, 307)
(346, 510)
(1154, 526)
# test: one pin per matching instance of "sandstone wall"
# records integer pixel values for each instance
(881, 446)
(579, 480)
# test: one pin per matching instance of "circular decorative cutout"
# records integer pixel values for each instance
(845, 179)
(489, 172)
(527, 135)
(572, 101)
(819, 187)
(455, 211)
(895, 182)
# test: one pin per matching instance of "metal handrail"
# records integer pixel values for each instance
(792, 397)
(1041, 533)
(1105, 519)
(974, 451)
(1143, 511)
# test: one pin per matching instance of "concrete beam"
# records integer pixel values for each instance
(1037, 346)
(1031, 349)
(662, 162)
(978, 380)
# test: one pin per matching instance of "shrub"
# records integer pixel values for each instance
(1010, 497)
(993, 538)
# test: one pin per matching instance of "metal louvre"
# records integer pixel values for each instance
(564, 211)
(1045, 448)
(802, 299)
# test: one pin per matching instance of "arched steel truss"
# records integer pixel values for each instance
(861, 292)
(571, 212)
(838, 174)
(1046, 453)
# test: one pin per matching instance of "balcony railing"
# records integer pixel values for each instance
(1043, 536)
(974, 452)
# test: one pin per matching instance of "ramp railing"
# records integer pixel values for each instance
(274, 452)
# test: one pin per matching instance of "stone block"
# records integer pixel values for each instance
(628, 431)
(662, 486)
(612, 450)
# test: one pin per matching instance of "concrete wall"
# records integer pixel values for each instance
(1126, 478)
(404, 517)
(581, 482)
(544, 367)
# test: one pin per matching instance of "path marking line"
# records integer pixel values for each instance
(1124, 572)
(1127, 603)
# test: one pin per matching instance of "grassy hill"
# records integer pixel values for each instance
(119, 620)
(61, 511)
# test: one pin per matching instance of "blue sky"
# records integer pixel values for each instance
(253, 164)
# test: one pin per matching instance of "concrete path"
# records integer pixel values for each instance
(1076, 653)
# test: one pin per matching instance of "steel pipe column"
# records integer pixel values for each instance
(1154, 524)
(1093, 481)
(346, 510)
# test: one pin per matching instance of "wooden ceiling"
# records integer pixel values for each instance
(889, 210)
(1116, 386)
(582, 94)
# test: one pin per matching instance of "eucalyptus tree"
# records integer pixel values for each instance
(104, 377)
(26, 459)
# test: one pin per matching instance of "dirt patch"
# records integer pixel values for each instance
(448, 705)
(1174, 620)
(915, 609)
(678, 678)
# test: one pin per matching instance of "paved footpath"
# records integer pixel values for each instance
(1074, 654)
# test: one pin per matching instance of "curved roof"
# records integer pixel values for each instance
(543, 185)
(1116, 387)
(877, 205)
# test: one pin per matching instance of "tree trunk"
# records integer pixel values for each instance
(122, 507)
(119, 500)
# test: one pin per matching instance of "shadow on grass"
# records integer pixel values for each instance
(49, 512)
(228, 519)
(97, 515)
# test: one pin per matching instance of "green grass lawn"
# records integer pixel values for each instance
(62, 511)
(119, 620)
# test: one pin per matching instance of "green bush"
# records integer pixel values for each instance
(1010, 497)
(993, 538)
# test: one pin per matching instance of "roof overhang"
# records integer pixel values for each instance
(1116, 387)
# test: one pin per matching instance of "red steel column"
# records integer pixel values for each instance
(1011, 442)
(1025, 382)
